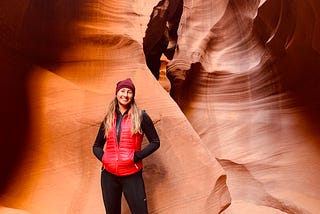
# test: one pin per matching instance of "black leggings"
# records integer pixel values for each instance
(132, 186)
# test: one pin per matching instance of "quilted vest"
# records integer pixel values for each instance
(118, 158)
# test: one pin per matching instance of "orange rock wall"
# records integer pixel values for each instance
(239, 128)
(247, 80)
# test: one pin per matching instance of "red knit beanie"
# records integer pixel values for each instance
(127, 83)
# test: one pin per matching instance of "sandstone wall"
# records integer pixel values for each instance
(238, 129)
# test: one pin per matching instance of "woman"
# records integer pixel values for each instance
(118, 147)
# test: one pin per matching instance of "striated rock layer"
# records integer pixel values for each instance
(242, 139)
(247, 77)
(61, 61)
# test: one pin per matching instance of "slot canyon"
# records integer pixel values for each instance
(232, 87)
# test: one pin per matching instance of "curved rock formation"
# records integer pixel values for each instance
(242, 139)
(61, 61)
(247, 80)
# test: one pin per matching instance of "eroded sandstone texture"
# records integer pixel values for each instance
(247, 80)
(239, 128)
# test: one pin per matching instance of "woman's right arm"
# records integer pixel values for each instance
(99, 143)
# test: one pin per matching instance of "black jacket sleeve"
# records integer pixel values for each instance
(99, 142)
(152, 136)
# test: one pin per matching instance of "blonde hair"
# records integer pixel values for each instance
(134, 113)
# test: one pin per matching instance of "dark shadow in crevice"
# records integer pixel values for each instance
(161, 34)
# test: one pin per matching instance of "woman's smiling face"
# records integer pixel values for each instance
(124, 96)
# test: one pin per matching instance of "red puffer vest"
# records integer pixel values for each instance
(118, 158)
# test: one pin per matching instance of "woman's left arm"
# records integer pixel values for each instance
(152, 136)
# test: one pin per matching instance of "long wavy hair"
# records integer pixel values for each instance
(134, 113)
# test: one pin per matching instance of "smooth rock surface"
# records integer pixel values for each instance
(239, 133)
(60, 66)
(248, 81)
